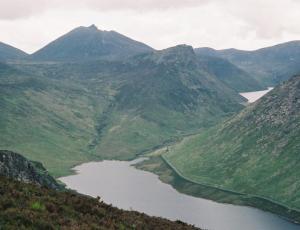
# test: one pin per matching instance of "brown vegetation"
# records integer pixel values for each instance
(27, 206)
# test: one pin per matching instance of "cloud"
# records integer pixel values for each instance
(246, 24)
(14, 9)
(268, 18)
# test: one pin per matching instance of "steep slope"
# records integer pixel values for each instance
(29, 199)
(17, 167)
(229, 74)
(159, 97)
(255, 152)
(47, 120)
(64, 114)
(270, 65)
(9, 53)
(89, 43)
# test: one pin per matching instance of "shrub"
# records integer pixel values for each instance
(37, 206)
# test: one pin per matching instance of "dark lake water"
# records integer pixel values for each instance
(120, 184)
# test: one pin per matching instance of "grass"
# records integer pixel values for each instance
(37, 206)
(66, 114)
(255, 152)
(167, 174)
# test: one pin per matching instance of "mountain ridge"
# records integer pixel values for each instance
(269, 65)
(89, 43)
(10, 53)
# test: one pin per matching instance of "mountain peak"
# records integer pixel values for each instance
(93, 26)
(90, 43)
(180, 49)
(183, 54)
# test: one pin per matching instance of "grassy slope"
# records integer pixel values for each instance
(48, 121)
(26, 206)
(65, 114)
(269, 66)
(167, 174)
(230, 74)
(255, 152)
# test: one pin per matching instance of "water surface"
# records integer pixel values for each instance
(120, 184)
(254, 96)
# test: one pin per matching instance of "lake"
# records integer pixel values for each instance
(254, 96)
(120, 184)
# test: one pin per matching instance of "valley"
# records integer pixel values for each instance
(206, 119)
(223, 144)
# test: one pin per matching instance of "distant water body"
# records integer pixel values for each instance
(120, 184)
(254, 96)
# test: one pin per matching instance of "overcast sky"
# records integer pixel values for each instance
(243, 24)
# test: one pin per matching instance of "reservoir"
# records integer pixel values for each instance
(120, 184)
(254, 96)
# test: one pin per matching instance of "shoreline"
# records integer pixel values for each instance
(189, 187)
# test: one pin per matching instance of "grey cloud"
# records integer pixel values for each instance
(267, 18)
(14, 9)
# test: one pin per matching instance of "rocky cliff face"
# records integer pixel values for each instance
(15, 166)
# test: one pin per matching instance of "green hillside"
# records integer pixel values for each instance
(270, 65)
(255, 152)
(65, 114)
(229, 74)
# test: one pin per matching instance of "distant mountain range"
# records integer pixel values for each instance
(242, 70)
(8, 53)
(99, 94)
(269, 66)
(254, 152)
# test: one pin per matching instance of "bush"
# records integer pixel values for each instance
(37, 206)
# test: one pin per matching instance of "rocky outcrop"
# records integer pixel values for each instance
(15, 166)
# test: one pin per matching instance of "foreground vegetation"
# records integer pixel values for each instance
(27, 206)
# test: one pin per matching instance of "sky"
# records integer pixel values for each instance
(243, 24)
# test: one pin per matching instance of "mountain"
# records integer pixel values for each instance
(229, 74)
(64, 114)
(270, 65)
(9, 53)
(255, 152)
(17, 167)
(30, 200)
(89, 43)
